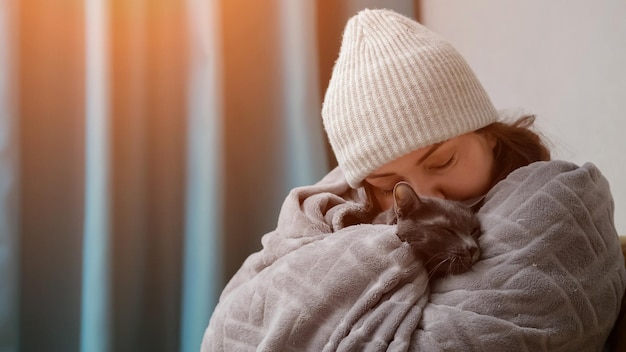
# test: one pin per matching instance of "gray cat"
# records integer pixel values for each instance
(442, 233)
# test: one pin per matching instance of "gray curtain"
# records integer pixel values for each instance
(145, 148)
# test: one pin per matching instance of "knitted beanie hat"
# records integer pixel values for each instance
(397, 87)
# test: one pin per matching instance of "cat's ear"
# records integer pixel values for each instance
(405, 198)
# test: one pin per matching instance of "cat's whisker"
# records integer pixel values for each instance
(449, 271)
(434, 270)
(431, 259)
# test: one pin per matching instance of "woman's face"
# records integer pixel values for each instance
(457, 169)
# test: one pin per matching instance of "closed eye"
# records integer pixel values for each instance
(446, 164)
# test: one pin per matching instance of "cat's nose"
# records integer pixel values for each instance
(474, 252)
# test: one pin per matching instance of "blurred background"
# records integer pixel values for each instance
(147, 145)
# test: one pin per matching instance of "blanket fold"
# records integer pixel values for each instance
(550, 277)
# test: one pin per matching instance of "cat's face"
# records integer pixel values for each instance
(442, 233)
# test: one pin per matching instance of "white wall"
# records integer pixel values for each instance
(564, 60)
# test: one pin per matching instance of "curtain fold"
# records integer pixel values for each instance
(95, 303)
(9, 182)
(50, 109)
(306, 159)
(202, 276)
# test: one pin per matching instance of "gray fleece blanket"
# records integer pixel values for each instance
(551, 275)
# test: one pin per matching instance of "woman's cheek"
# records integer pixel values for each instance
(384, 202)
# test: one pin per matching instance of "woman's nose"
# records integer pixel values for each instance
(426, 189)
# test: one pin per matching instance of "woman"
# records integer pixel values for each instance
(403, 106)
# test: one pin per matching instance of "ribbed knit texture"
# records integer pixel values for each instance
(397, 87)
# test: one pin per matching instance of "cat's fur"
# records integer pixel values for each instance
(440, 232)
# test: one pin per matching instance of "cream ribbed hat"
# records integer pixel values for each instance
(397, 87)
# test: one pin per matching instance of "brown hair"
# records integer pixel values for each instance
(516, 146)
